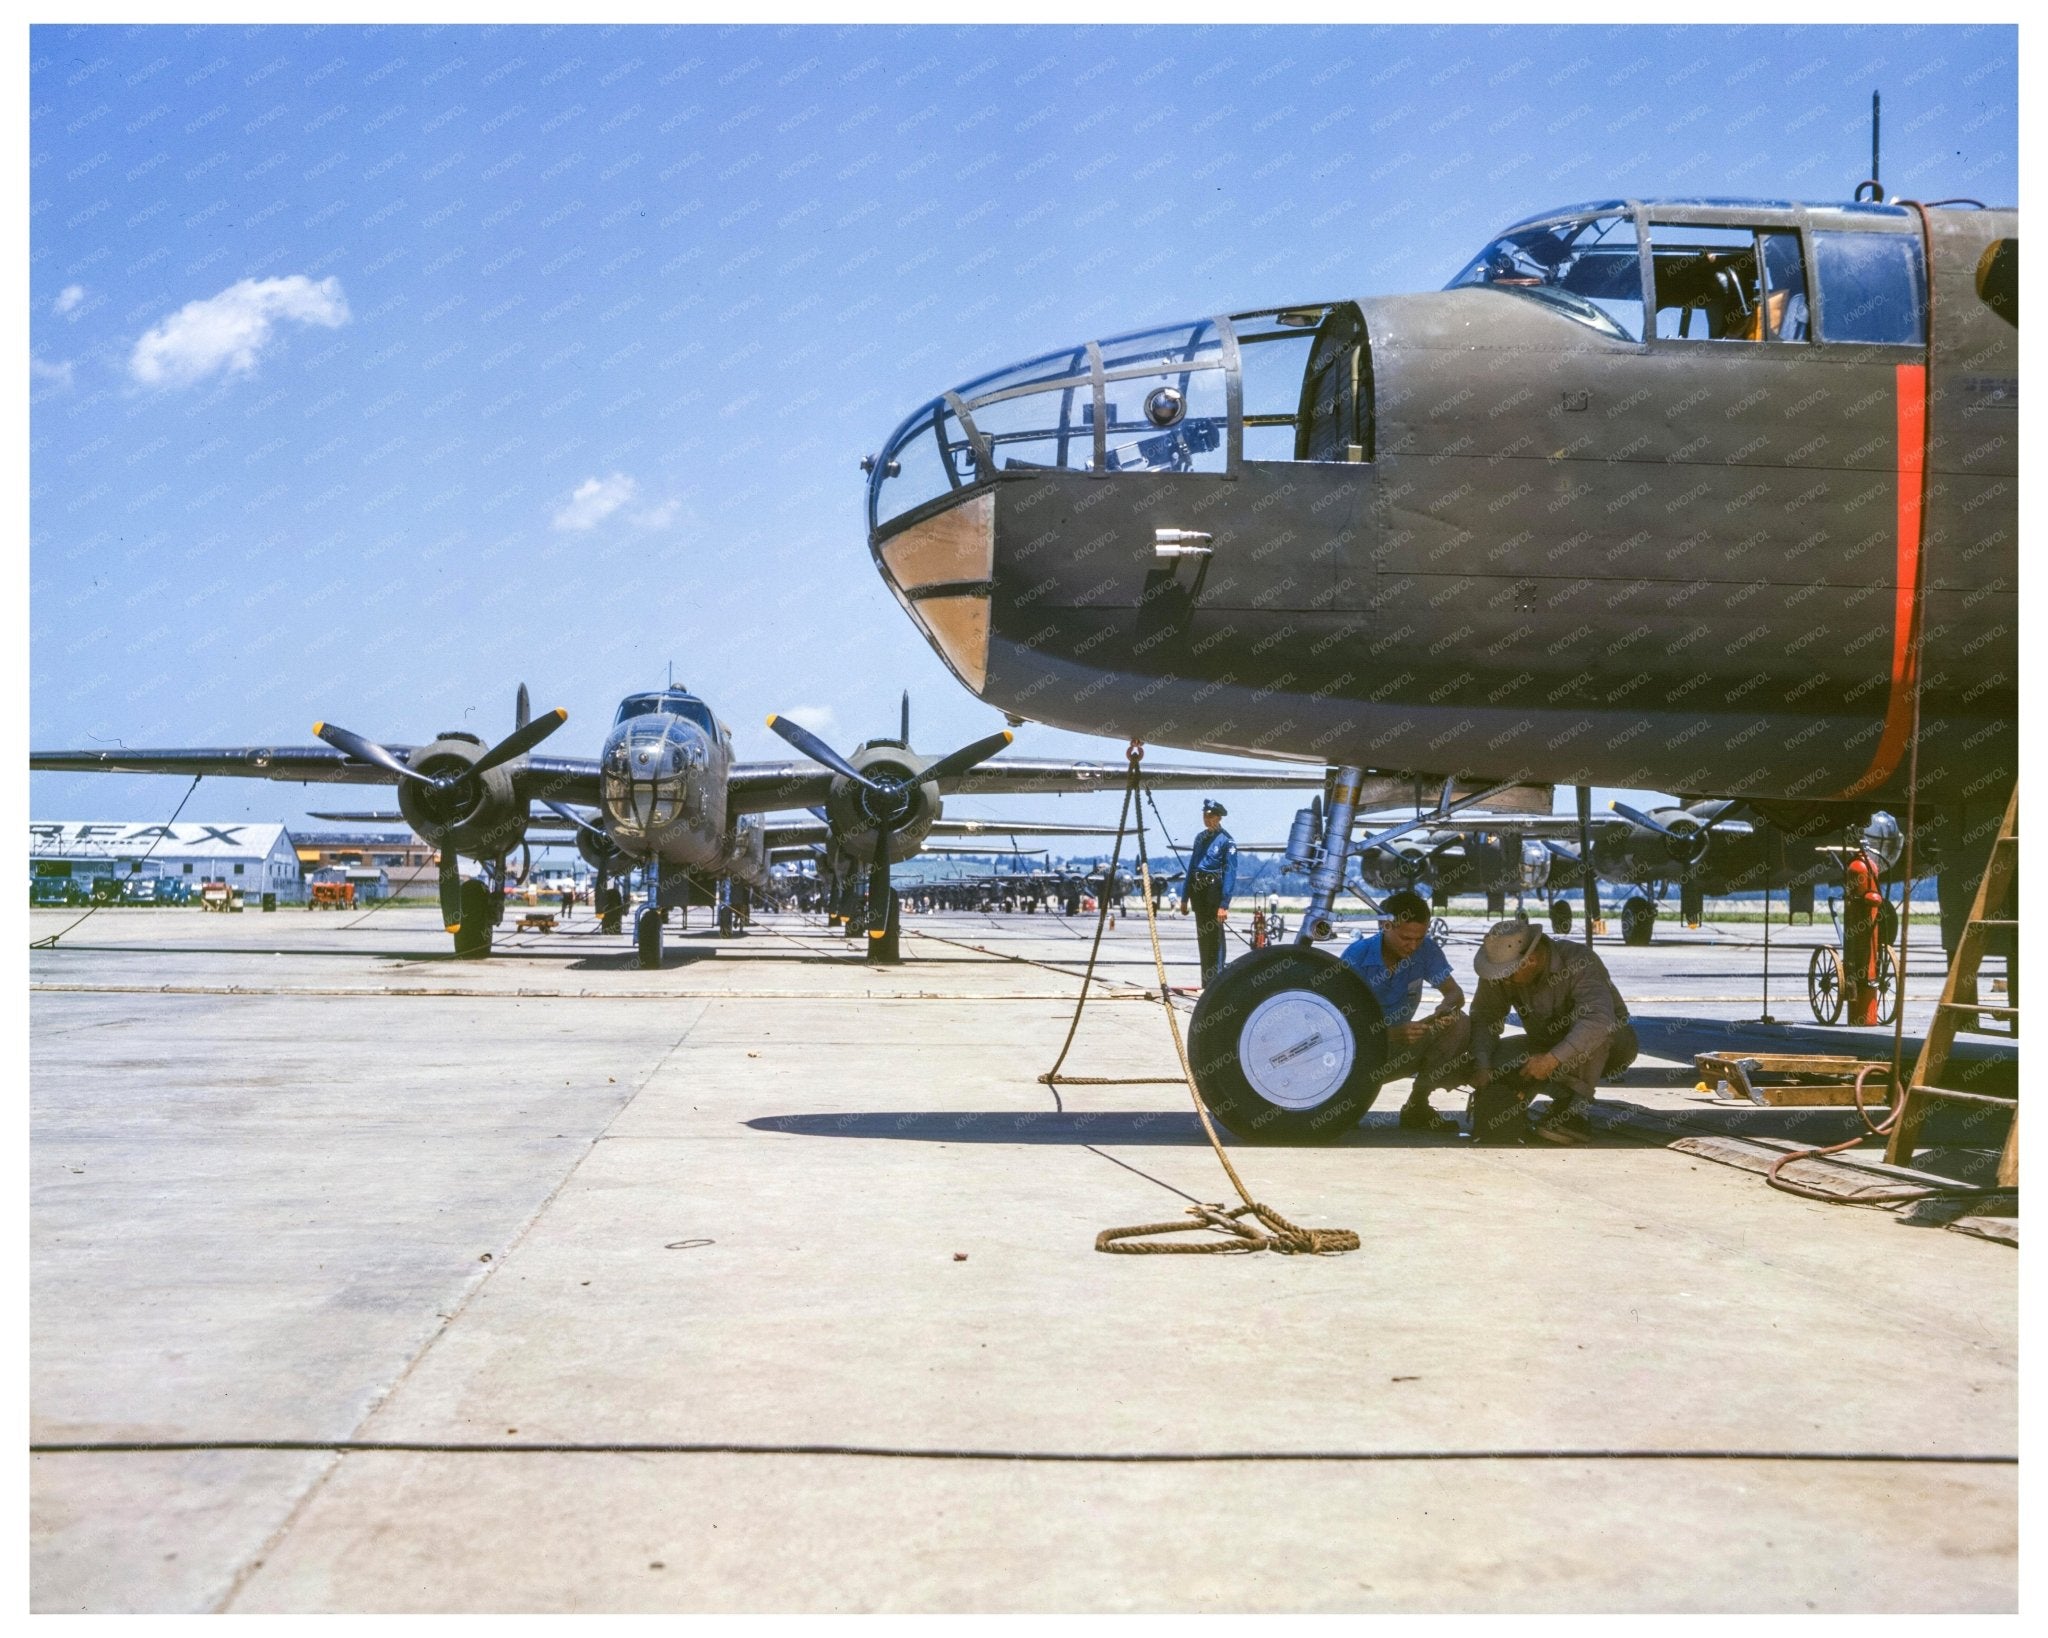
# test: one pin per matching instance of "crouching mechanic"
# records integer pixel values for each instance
(1395, 963)
(1577, 1024)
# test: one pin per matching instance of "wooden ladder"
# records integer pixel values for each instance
(1959, 1008)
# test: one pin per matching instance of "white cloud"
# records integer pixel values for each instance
(817, 718)
(68, 298)
(657, 517)
(595, 500)
(228, 332)
(42, 369)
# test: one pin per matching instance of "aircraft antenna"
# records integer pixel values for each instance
(1874, 109)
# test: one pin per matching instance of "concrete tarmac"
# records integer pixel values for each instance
(365, 1279)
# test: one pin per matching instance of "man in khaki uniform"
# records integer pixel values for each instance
(1577, 1024)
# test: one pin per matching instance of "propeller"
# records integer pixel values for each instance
(524, 736)
(888, 800)
(1686, 847)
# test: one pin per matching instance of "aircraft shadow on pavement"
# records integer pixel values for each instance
(628, 960)
(1121, 1128)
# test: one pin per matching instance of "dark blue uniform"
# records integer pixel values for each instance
(1212, 878)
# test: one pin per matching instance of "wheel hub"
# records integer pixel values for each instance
(1296, 1049)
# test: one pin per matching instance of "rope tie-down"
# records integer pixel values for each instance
(1250, 1226)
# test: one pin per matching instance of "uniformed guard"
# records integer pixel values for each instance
(1212, 878)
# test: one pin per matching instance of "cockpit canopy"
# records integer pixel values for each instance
(1717, 270)
(674, 702)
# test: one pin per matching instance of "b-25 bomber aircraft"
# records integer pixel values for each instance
(1710, 495)
(665, 795)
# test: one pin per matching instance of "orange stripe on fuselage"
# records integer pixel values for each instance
(1912, 473)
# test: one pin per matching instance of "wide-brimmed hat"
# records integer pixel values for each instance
(1506, 946)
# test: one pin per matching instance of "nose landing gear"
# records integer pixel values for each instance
(1286, 1045)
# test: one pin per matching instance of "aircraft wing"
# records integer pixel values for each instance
(764, 787)
(565, 779)
(305, 764)
(1026, 776)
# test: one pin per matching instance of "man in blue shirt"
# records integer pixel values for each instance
(1395, 963)
(1212, 878)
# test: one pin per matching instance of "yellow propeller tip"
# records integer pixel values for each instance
(561, 715)
(1008, 737)
(453, 926)
(318, 726)
(772, 715)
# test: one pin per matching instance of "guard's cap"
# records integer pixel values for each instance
(1211, 805)
(1506, 946)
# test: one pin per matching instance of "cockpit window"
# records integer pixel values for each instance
(686, 706)
(1872, 287)
(1586, 267)
(1728, 283)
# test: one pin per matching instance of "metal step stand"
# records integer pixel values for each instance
(1995, 892)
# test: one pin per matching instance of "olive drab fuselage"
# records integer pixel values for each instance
(1488, 529)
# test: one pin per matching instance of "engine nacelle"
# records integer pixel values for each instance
(477, 815)
(746, 856)
(851, 812)
(601, 853)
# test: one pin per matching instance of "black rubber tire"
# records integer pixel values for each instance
(1561, 915)
(647, 936)
(725, 921)
(1638, 920)
(473, 940)
(1227, 1008)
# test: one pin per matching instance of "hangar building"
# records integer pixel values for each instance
(258, 859)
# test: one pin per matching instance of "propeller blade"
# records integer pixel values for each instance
(522, 708)
(878, 886)
(906, 716)
(520, 740)
(818, 751)
(365, 750)
(451, 892)
(574, 817)
(966, 757)
(1635, 817)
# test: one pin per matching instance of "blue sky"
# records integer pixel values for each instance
(375, 370)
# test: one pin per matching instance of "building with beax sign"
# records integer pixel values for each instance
(258, 859)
